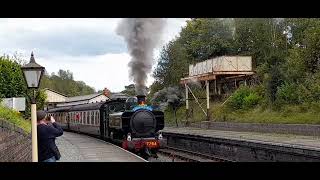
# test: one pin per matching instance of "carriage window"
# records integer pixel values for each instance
(80, 118)
(67, 117)
(92, 118)
(88, 116)
(83, 117)
(98, 118)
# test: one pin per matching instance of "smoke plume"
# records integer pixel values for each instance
(142, 36)
(168, 96)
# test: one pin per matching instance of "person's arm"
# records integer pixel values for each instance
(55, 130)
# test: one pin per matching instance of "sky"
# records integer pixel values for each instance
(89, 48)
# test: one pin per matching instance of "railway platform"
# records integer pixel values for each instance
(245, 146)
(308, 142)
(81, 148)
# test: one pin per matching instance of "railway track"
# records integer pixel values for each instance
(188, 156)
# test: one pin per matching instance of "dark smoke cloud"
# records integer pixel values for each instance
(168, 96)
(142, 36)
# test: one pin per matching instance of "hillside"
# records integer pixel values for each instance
(285, 54)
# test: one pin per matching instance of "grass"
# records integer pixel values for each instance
(15, 117)
(289, 114)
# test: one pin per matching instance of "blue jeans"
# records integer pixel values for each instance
(52, 159)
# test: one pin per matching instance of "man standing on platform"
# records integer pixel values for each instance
(47, 149)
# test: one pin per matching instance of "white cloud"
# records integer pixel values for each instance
(89, 48)
(108, 70)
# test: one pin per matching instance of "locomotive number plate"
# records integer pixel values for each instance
(151, 143)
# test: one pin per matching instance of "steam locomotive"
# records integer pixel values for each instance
(128, 122)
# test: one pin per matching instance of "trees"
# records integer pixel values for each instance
(129, 90)
(201, 39)
(12, 83)
(11, 79)
(63, 82)
(285, 51)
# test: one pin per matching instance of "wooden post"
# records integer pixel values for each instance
(219, 89)
(187, 103)
(215, 86)
(208, 96)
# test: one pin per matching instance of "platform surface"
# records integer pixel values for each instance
(81, 148)
(308, 142)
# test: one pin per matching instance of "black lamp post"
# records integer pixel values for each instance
(32, 74)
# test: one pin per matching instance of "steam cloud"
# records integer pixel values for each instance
(142, 35)
(168, 96)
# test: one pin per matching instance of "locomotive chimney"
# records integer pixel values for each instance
(141, 99)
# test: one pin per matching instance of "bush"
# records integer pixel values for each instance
(299, 93)
(251, 100)
(244, 98)
(313, 85)
(288, 94)
(14, 117)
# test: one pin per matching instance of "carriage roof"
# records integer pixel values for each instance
(84, 107)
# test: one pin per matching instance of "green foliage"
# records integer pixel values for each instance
(129, 90)
(12, 83)
(286, 57)
(288, 93)
(15, 117)
(201, 39)
(64, 83)
(244, 98)
(11, 79)
(290, 114)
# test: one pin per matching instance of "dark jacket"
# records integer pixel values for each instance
(46, 140)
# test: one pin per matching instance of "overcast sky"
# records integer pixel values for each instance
(90, 48)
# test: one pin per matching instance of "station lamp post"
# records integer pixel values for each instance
(32, 74)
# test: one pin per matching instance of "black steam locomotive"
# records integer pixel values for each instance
(129, 122)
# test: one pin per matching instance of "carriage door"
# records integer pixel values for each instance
(105, 117)
(102, 122)
(68, 120)
(106, 123)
